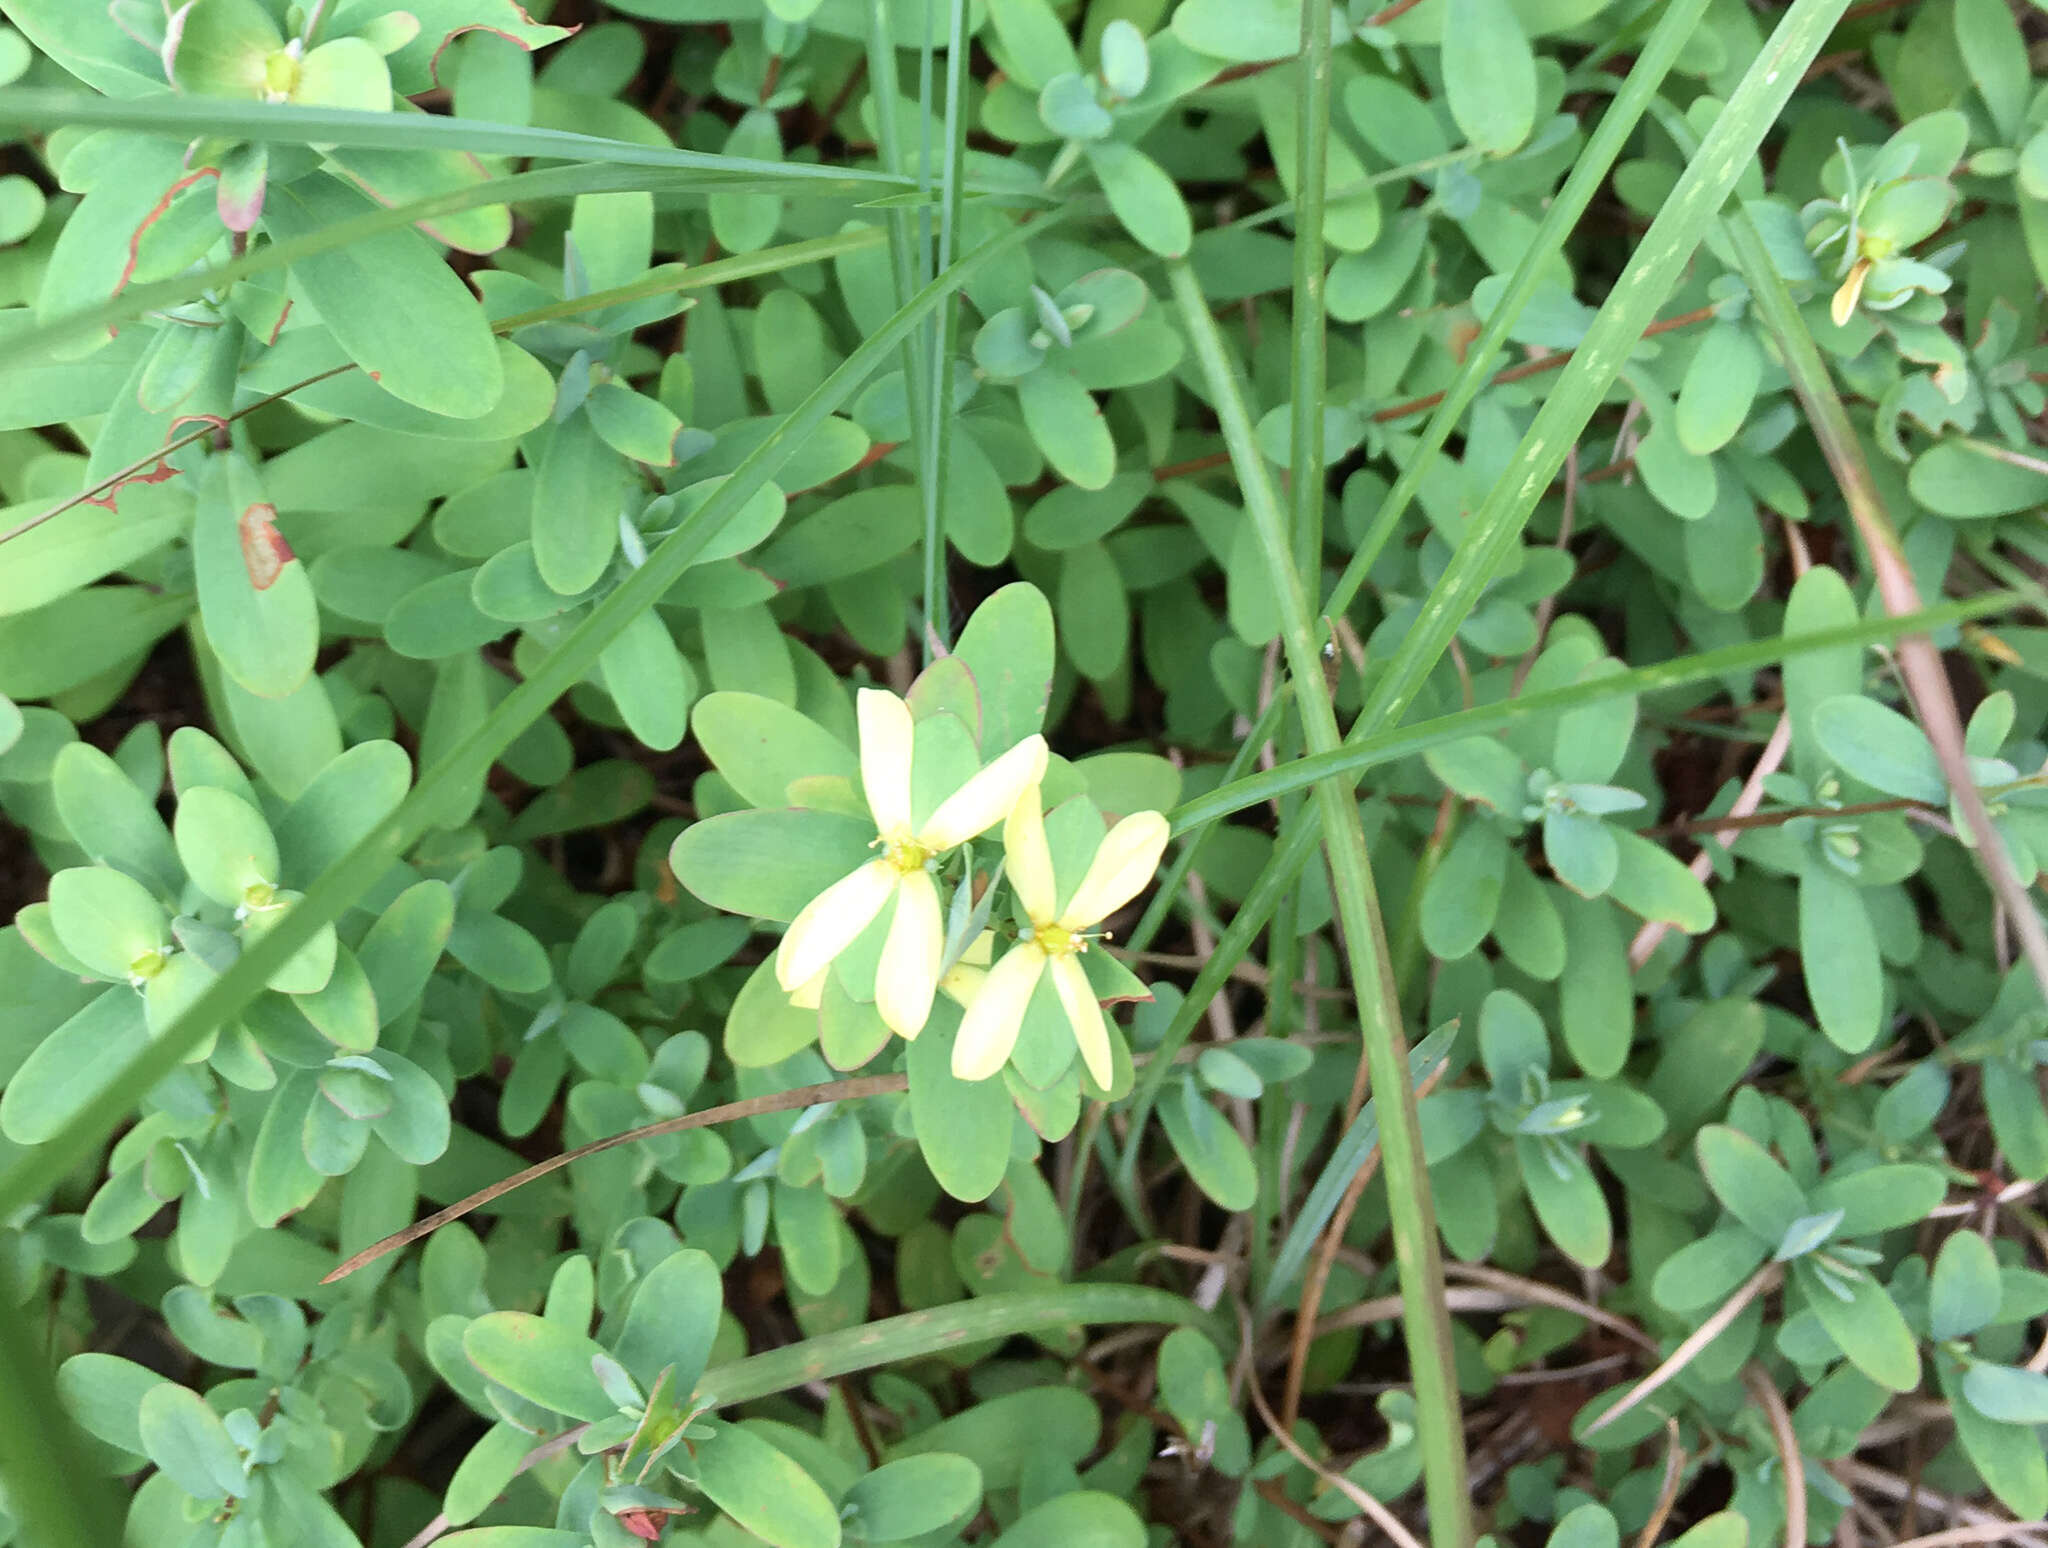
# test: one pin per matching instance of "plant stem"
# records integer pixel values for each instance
(1927, 684)
(938, 445)
(1424, 1321)
(1308, 363)
(906, 262)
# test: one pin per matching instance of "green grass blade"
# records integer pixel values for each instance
(37, 1173)
(522, 187)
(52, 1490)
(1310, 358)
(720, 271)
(1587, 177)
(1425, 1323)
(918, 1334)
(1352, 1148)
(1163, 895)
(1359, 754)
(904, 261)
(1645, 283)
(1798, 36)
(945, 341)
(188, 118)
(1920, 669)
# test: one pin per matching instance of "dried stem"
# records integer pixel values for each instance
(1763, 1279)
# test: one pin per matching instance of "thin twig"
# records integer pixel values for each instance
(1667, 1493)
(1318, 1275)
(1862, 1475)
(1538, 366)
(1702, 864)
(135, 470)
(752, 1107)
(1983, 1532)
(1275, 1496)
(1766, 1393)
(1540, 1294)
(1383, 1518)
(1763, 1279)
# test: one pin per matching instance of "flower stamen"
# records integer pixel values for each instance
(906, 855)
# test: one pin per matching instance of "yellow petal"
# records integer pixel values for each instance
(810, 994)
(1026, 859)
(1843, 306)
(981, 951)
(909, 970)
(987, 798)
(1122, 866)
(830, 921)
(963, 982)
(885, 736)
(989, 1029)
(1084, 1015)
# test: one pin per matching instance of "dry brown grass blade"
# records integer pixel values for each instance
(1861, 1475)
(1983, 1532)
(1763, 1279)
(1387, 1308)
(1926, 683)
(1747, 801)
(752, 1107)
(1383, 1518)
(1790, 1462)
(1667, 1492)
(1318, 1276)
(1536, 1292)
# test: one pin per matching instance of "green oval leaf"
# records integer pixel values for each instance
(542, 1361)
(764, 1490)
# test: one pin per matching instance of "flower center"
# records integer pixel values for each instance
(281, 73)
(1057, 941)
(906, 854)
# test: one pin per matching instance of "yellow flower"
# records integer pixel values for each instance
(908, 972)
(1123, 864)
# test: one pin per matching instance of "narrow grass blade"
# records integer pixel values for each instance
(1358, 754)
(917, 1334)
(1645, 283)
(768, 260)
(522, 187)
(1424, 1322)
(904, 261)
(1168, 890)
(936, 474)
(1587, 177)
(1309, 361)
(1769, 79)
(325, 901)
(188, 118)
(720, 271)
(1353, 1147)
